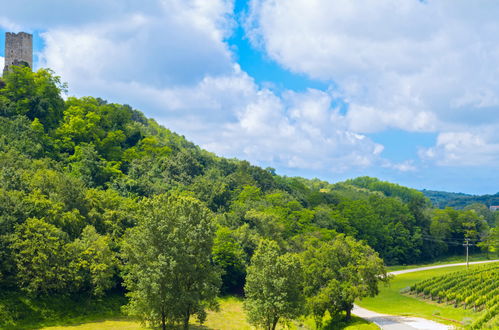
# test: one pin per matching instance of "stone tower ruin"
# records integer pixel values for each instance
(18, 50)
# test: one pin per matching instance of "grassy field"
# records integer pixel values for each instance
(230, 316)
(392, 301)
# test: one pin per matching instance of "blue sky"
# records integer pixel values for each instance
(404, 91)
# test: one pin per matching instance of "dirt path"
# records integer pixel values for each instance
(393, 322)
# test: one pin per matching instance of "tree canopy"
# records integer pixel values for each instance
(168, 268)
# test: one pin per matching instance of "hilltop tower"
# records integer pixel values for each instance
(18, 50)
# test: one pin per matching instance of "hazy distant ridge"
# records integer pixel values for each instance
(442, 199)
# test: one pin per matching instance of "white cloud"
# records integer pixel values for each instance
(405, 166)
(169, 58)
(233, 117)
(180, 43)
(9, 25)
(411, 65)
(299, 130)
(2, 62)
(463, 149)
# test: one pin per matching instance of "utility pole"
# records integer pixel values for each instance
(466, 245)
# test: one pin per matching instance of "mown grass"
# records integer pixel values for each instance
(392, 300)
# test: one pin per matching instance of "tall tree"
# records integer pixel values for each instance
(168, 267)
(41, 257)
(273, 286)
(94, 262)
(337, 272)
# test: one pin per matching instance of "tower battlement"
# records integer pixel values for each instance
(18, 50)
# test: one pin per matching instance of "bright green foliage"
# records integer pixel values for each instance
(147, 147)
(94, 262)
(474, 289)
(168, 268)
(34, 94)
(273, 286)
(338, 272)
(41, 257)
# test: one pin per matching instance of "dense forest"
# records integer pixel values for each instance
(90, 191)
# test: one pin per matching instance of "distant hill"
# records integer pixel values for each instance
(442, 199)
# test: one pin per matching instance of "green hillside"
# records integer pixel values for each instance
(97, 200)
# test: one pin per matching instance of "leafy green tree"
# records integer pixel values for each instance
(273, 286)
(338, 272)
(34, 94)
(367, 223)
(94, 262)
(42, 258)
(168, 267)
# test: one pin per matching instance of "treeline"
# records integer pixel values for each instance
(78, 176)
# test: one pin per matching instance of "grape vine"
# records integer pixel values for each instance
(476, 289)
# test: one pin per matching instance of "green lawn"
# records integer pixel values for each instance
(391, 301)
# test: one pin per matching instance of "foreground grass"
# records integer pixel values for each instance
(446, 260)
(230, 316)
(391, 301)
(111, 324)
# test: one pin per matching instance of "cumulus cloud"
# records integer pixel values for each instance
(2, 62)
(170, 59)
(178, 43)
(420, 66)
(301, 130)
(462, 149)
